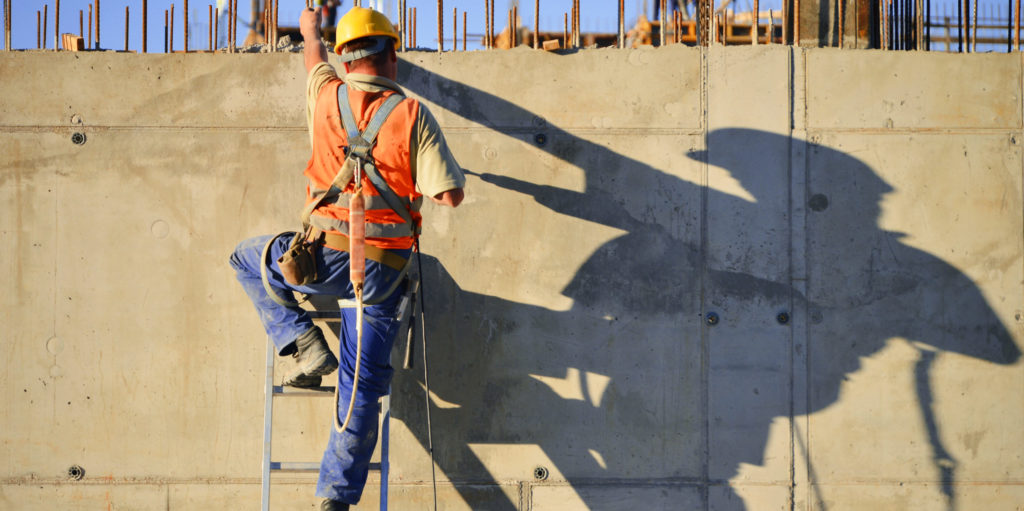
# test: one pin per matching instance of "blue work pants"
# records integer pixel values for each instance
(346, 460)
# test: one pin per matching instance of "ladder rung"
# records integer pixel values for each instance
(304, 466)
(280, 390)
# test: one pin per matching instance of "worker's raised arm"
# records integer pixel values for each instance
(314, 51)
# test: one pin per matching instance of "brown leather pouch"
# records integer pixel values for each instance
(298, 263)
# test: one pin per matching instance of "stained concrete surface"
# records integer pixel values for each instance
(616, 198)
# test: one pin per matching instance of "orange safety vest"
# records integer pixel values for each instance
(384, 228)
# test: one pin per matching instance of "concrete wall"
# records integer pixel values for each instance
(854, 221)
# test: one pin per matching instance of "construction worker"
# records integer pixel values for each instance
(413, 159)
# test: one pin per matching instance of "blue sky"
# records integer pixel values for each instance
(596, 16)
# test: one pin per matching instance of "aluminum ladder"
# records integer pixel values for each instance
(272, 391)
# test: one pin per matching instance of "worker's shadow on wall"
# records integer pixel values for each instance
(634, 344)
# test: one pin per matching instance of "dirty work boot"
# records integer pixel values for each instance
(333, 505)
(314, 359)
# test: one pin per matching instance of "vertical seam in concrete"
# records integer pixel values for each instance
(704, 348)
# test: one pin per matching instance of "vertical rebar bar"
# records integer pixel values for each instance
(209, 29)
(511, 38)
(974, 34)
(6, 25)
(56, 26)
(565, 30)
(771, 26)
(493, 30)
(170, 30)
(661, 23)
(928, 26)
(126, 20)
(755, 28)
(622, 24)
(455, 29)
(966, 29)
(515, 25)
(167, 34)
(1009, 26)
(46, 23)
(90, 27)
(97, 24)
(840, 8)
(414, 43)
(38, 28)
(145, 24)
(234, 25)
(465, 30)
(81, 24)
(536, 24)
(440, 26)
(1017, 27)
(216, 28)
(277, 25)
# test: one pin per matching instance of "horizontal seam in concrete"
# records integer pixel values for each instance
(897, 131)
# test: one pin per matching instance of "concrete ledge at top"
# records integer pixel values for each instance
(521, 88)
(909, 90)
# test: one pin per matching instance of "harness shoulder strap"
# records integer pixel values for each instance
(361, 144)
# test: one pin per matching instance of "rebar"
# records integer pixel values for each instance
(622, 24)
(126, 20)
(38, 29)
(440, 26)
(7, 25)
(56, 26)
(455, 29)
(565, 30)
(511, 36)
(536, 24)
(90, 27)
(81, 24)
(771, 26)
(277, 27)
(167, 33)
(234, 25)
(185, 16)
(170, 31)
(46, 22)
(1017, 27)
(414, 16)
(492, 29)
(841, 8)
(97, 24)
(661, 23)
(974, 35)
(145, 23)
(209, 35)
(216, 28)
(755, 27)
(514, 26)
(465, 31)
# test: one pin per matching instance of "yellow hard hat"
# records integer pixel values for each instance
(362, 22)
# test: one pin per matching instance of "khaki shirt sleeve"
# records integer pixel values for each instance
(318, 77)
(434, 166)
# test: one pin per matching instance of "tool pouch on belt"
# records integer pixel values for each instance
(298, 263)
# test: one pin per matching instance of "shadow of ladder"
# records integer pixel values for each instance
(272, 391)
